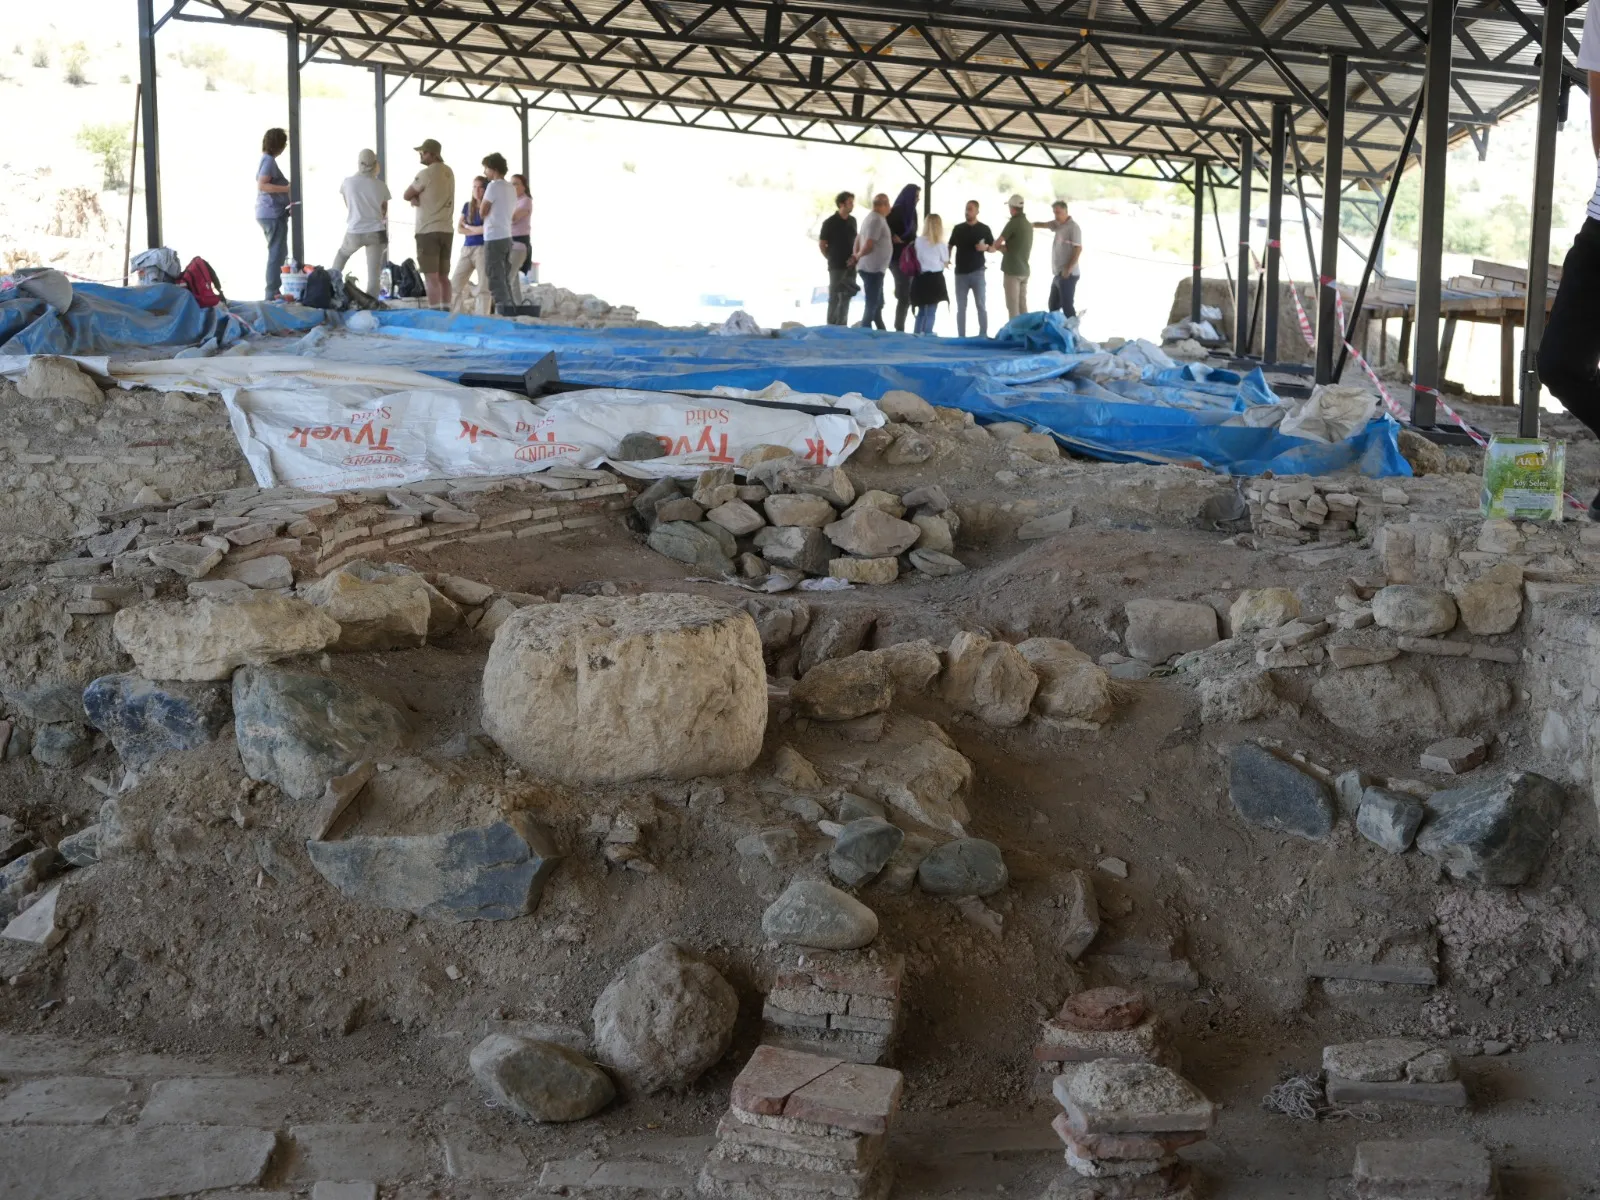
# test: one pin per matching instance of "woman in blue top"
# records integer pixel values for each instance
(272, 207)
(471, 227)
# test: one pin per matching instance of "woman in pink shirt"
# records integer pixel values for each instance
(521, 220)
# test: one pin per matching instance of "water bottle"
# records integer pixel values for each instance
(385, 282)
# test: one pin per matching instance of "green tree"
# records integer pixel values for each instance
(109, 142)
(76, 61)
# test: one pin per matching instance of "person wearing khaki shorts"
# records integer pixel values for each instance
(433, 193)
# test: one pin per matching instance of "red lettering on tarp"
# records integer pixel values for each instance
(707, 415)
(473, 432)
(817, 451)
(322, 433)
(719, 452)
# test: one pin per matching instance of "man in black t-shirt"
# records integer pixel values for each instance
(971, 240)
(838, 245)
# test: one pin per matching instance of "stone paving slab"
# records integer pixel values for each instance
(34, 1054)
(354, 1151)
(467, 1157)
(772, 1075)
(1350, 1091)
(156, 1066)
(851, 1096)
(65, 1100)
(582, 1174)
(57, 1163)
(263, 1101)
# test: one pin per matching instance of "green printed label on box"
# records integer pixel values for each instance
(1524, 478)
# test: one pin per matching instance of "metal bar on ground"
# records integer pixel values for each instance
(1430, 235)
(1375, 258)
(527, 153)
(380, 104)
(297, 225)
(1241, 322)
(1544, 173)
(1196, 285)
(1280, 135)
(1332, 185)
(152, 142)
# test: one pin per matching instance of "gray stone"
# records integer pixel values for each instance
(353, 1150)
(1046, 526)
(935, 536)
(1493, 831)
(834, 632)
(542, 1081)
(811, 512)
(22, 876)
(665, 1019)
(129, 1163)
(831, 483)
(326, 1189)
(69, 1100)
(207, 638)
(872, 533)
(299, 731)
(964, 867)
(1435, 1066)
(662, 489)
(1389, 820)
(853, 808)
(1443, 1095)
(1412, 609)
(1272, 792)
(268, 571)
(186, 559)
(145, 719)
(900, 405)
(36, 924)
(932, 562)
(1079, 923)
(989, 679)
(263, 1102)
(870, 571)
(912, 665)
(1378, 1060)
(490, 873)
(801, 548)
(908, 449)
(689, 543)
(1454, 756)
(377, 608)
(737, 517)
(729, 544)
(222, 589)
(840, 689)
(1262, 608)
(639, 447)
(1070, 684)
(680, 508)
(930, 498)
(816, 914)
(1111, 1096)
(54, 378)
(715, 486)
(81, 849)
(862, 849)
(1158, 629)
(467, 592)
(1350, 787)
(1431, 1169)
(62, 745)
(779, 846)
(885, 502)
(900, 873)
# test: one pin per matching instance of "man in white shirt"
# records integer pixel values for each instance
(1064, 254)
(366, 202)
(499, 201)
(872, 251)
(1569, 352)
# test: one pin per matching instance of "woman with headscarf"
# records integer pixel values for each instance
(366, 223)
(903, 232)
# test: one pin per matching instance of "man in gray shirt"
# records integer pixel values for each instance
(873, 248)
(1064, 254)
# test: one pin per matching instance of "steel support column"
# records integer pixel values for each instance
(297, 229)
(1332, 185)
(380, 105)
(1196, 289)
(1430, 235)
(150, 122)
(1241, 314)
(522, 117)
(1280, 138)
(927, 184)
(1544, 174)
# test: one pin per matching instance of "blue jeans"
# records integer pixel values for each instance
(276, 230)
(972, 282)
(1063, 290)
(925, 316)
(872, 300)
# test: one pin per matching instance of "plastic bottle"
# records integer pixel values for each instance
(384, 284)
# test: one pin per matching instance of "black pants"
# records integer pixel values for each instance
(1569, 352)
(841, 286)
(902, 294)
(1063, 290)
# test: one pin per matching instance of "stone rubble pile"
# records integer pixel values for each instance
(841, 1005)
(1123, 1124)
(1392, 1071)
(804, 1125)
(1296, 512)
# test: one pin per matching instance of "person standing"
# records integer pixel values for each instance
(837, 241)
(366, 203)
(874, 245)
(499, 202)
(971, 240)
(1569, 351)
(433, 193)
(902, 220)
(1064, 254)
(272, 208)
(928, 290)
(522, 227)
(470, 227)
(1016, 244)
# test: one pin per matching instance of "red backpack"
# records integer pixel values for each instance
(202, 281)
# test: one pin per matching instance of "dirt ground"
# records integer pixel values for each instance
(221, 941)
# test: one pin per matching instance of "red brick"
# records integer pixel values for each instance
(851, 1096)
(1103, 1010)
(772, 1075)
(1118, 1146)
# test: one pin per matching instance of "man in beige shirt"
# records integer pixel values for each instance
(433, 194)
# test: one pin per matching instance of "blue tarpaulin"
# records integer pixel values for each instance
(1187, 415)
(115, 320)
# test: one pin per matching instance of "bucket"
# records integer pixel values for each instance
(293, 285)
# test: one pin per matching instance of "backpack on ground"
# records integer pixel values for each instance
(201, 280)
(405, 281)
(359, 298)
(319, 289)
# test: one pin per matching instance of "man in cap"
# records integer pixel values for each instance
(1015, 244)
(433, 193)
(366, 202)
